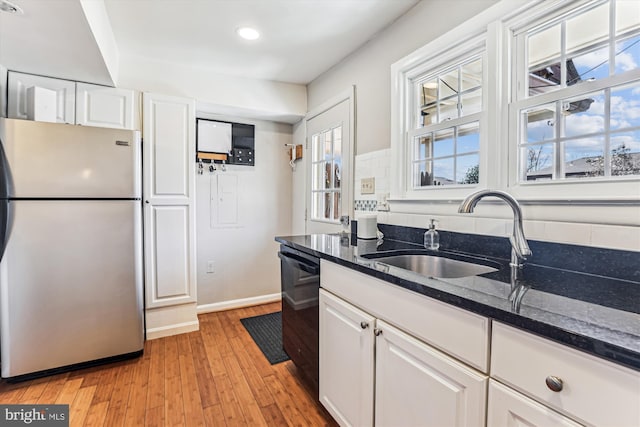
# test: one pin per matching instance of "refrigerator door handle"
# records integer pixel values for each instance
(6, 207)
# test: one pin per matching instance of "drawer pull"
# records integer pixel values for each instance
(364, 325)
(554, 383)
(377, 332)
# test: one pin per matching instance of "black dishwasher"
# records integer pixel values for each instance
(300, 277)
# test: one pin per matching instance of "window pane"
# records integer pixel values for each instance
(318, 176)
(322, 206)
(424, 147)
(428, 101)
(625, 153)
(449, 84)
(429, 114)
(467, 169)
(584, 158)
(468, 138)
(591, 65)
(544, 60)
(448, 109)
(422, 175)
(625, 107)
(540, 122)
(588, 29)
(443, 172)
(538, 161)
(627, 21)
(471, 75)
(471, 102)
(583, 115)
(443, 145)
(327, 175)
(628, 53)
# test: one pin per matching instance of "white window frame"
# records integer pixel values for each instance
(495, 27)
(596, 190)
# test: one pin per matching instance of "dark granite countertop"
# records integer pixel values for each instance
(596, 314)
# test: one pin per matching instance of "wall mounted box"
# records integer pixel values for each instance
(231, 143)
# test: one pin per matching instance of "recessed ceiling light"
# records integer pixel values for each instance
(6, 6)
(248, 33)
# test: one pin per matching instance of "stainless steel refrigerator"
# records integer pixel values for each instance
(71, 286)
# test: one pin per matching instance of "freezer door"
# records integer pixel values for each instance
(71, 284)
(54, 160)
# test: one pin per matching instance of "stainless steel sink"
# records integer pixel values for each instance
(435, 266)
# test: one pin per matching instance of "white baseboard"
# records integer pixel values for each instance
(238, 303)
(166, 331)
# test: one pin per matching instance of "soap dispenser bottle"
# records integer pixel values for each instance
(431, 237)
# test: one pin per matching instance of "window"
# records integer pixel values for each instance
(445, 143)
(326, 166)
(578, 103)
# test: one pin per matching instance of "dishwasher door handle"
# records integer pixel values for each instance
(300, 263)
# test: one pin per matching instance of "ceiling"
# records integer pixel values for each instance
(300, 39)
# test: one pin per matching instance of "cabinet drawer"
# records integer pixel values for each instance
(460, 333)
(594, 391)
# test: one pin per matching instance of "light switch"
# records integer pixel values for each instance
(368, 186)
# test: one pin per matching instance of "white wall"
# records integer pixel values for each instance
(256, 99)
(245, 255)
(299, 183)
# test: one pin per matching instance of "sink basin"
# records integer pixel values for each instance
(435, 266)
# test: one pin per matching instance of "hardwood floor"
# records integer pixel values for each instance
(216, 376)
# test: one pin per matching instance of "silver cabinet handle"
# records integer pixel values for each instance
(554, 383)
(377, 332)
(364, 325)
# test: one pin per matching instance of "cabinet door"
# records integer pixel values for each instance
(508, 408)
(17, 96)
(417, 385)
(104, 106)
(169, 178)
(346, 361)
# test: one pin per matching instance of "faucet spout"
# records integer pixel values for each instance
(519, 247)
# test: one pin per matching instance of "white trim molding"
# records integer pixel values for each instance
(238, 303)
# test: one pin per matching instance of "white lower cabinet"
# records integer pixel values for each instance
(346, 361)
(415, 384)
(508, 408)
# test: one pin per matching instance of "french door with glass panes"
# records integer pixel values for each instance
(329, 191)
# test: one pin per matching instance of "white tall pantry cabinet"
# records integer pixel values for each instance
(169, 214)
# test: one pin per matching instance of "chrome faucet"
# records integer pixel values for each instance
(519, 246)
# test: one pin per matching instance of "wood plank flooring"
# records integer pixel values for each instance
(216, 376)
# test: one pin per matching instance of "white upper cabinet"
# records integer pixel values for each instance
(19, 83)
(104, 106)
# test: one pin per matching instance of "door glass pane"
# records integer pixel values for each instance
(583, 115)
(327, 175)
(443, 145)
(467, 169)
(316, 148)
(540, 122)
(327, 145)
(318, 176)
(337, 178)
(443, 172)
(337, 205)
(625, 153)
(337, 142)
(538, 161)
(584, 158)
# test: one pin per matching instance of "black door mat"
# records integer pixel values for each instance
(266, 331)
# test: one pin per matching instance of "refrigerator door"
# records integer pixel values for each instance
(54, 160)
(71, 287)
